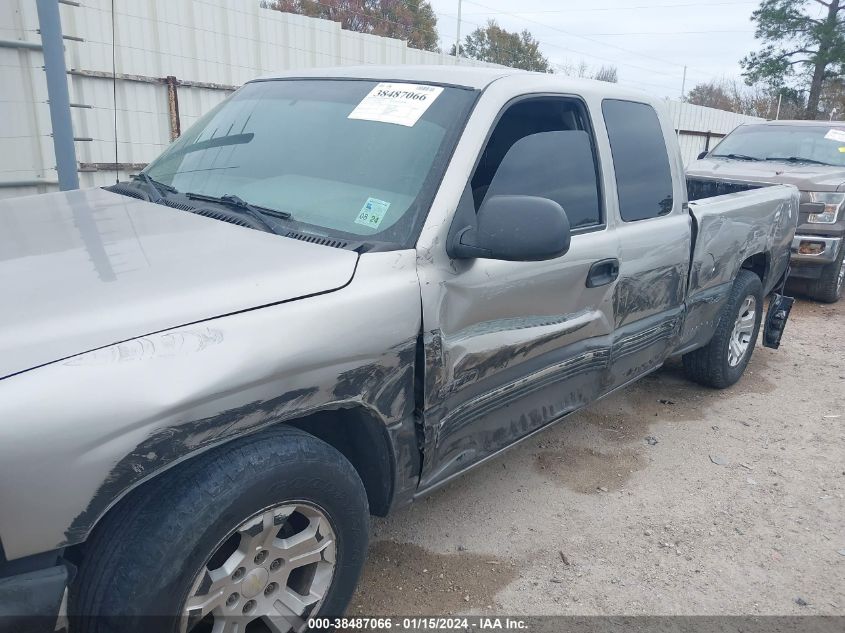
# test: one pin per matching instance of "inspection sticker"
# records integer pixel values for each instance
(398, 103)
(372, 213)
(835, 135)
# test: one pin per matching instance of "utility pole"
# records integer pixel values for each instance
(458, 38)
(50, 24)
(684, 85)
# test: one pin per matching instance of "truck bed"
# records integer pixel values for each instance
(702, 188)
(734, 223)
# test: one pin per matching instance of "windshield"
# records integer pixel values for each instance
(337, 155)
(820, 144)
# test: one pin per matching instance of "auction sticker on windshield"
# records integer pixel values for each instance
(402, 104)
(836, 135)
(372, 213)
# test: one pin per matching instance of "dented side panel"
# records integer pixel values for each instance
(117, 416)
(648, 302)
(734, 227)
(731, 229)
(510, 347)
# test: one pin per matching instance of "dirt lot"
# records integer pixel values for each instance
(621, 509)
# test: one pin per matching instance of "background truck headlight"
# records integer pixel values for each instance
(832, 205)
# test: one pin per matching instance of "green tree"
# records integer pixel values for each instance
(411, 20)
(801, 47)
(496, 45)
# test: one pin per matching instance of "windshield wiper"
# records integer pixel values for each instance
(736, 156)
(157, 187)
(796, 159)
(255, 211)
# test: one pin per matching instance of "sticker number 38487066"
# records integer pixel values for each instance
(399, 103)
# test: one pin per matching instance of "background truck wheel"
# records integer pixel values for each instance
(271, 529)
(828, 287)
(722, 361)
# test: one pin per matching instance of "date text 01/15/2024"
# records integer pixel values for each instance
(419, 624)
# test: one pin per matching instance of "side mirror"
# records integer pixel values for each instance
(515, 228)
(702, 155)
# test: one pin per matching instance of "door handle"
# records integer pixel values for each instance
(603, 272)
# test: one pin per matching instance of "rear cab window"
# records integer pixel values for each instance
(640, 160)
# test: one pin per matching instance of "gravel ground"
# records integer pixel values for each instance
(664, 499)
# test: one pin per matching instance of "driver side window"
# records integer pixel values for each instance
(566, 170)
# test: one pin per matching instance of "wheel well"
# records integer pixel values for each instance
(364, 441)
(355, 433)
(758, 264)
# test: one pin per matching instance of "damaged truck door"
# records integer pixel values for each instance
(512, 345)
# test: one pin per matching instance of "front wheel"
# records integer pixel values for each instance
(259, 535)
(723, 360)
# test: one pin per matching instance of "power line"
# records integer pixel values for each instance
(547, 43)
(624, 50)
(644, 6)
(575, 51)
(509, 52)
(659, 33)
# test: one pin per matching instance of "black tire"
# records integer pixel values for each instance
(828, 287)
(710, 364)
(144, 556)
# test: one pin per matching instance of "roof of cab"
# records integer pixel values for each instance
(467, 76)
(800, 122)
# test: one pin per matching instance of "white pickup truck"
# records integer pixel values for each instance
(336, 292)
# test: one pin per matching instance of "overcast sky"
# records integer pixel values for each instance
(649, 41)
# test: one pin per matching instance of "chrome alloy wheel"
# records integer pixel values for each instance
(743, 329)
(270, 574)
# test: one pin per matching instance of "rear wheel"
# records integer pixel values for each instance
(255, 536)
(828, 287)
(723, 360)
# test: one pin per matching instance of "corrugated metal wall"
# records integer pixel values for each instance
(701, 128)
(26, 149)
(209, 46)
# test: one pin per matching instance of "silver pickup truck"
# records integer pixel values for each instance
(336, 292)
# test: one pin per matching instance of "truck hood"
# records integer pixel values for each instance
(806, 177)
(84, 269)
